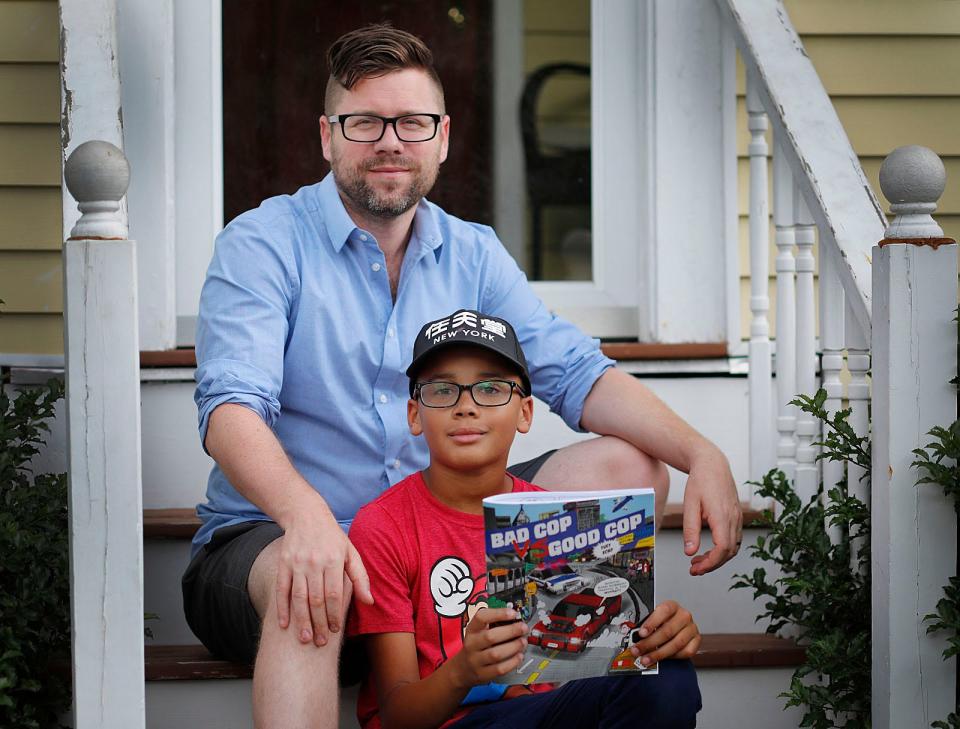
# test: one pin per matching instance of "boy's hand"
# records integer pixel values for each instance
(668, 632)
(490, 652)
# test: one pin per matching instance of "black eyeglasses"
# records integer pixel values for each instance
(486, 393)
(370, 128)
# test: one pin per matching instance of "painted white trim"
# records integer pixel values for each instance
(731, 229)
(16, 359)
(145, 49)
(199, 151)
(509, 186)
(689, 174)
(606, 306)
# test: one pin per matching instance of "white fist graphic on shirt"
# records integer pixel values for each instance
(451, 586)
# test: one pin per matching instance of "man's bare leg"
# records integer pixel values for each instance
(604, 463)
(295, 684)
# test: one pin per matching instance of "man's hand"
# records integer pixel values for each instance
(314, 555)
(489, 652)
(711, 494)
(668, 632)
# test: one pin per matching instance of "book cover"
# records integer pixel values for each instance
(578, 566)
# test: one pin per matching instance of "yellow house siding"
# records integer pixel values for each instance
(31, 320)
(892, 70)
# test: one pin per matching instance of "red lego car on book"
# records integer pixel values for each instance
(574, 621)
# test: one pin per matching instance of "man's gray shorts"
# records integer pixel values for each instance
(215, 598)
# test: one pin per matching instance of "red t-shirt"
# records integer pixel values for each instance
(427, 571)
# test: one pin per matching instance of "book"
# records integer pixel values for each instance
(579, 568)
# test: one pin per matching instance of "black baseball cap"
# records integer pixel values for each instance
(466, 326)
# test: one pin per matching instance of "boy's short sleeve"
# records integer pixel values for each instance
(386, 557)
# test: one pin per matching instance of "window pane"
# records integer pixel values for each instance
(555, 122)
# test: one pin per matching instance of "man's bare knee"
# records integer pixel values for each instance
(262, 581)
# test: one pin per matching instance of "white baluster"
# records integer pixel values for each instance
(858, 396)
(806, 482)
(103, 416)
(913, 528)
(760, 377)
(832, 312)
(783, 219)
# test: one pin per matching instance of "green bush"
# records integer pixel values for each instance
(820, 598)
(939, 464)
(34, 571)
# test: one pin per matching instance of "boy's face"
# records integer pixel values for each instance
(466, 436)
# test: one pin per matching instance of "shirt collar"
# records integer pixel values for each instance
(339, 224)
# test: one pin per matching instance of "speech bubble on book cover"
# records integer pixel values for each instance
(605, 550)
(611, 587)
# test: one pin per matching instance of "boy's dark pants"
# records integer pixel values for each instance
(670, 700)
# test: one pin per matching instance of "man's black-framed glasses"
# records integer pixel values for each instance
(485, 393)
(370, 127)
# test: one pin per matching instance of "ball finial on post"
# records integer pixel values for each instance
(912, 179)
(97, 174)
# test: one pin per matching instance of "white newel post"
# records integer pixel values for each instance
(760, 382)
(913, 527)
(103, 412)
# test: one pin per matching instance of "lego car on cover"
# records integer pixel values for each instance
(557, 579)
(574, 621)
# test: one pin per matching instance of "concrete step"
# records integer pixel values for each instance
(187, 687)
(715, 607)
(175, 468)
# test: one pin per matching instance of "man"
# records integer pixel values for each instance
(306, 317)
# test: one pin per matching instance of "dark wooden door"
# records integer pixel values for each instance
(274, 75)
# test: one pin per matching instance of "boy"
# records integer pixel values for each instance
(434, 646)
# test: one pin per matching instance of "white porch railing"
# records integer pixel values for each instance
(907, 288)
(103, 420)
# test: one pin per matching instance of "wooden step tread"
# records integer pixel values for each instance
(626, 351)
(183, 523)
(718, 650)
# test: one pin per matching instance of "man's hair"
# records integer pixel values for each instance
(373, 51)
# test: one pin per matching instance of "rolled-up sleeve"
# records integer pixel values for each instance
(564, 363)
(245, 306)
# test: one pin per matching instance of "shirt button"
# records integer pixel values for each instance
(375, 266)
(390, 332)
(363, 237)
(396, 463)
(383, 398)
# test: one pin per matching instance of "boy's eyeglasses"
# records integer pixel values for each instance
(486, 393)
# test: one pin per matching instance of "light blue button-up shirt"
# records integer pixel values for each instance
(297, 323)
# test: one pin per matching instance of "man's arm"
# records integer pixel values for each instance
(620, 405)
(315, 551)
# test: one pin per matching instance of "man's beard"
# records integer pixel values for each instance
(392, 203)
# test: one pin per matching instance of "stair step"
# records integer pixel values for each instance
(183, 523)
(718, 650)
(187, 357)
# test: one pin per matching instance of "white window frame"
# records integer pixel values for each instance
(663, 196)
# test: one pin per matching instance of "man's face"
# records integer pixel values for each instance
(385, 179)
